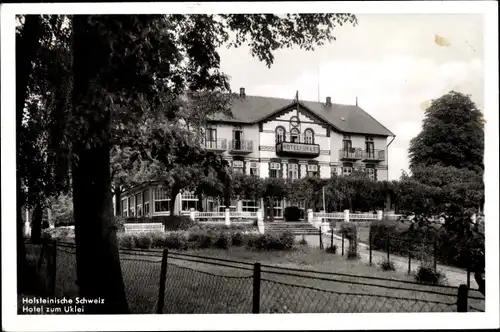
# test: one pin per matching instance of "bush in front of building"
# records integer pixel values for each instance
(271, 241)
(126, 240)
(144, 240)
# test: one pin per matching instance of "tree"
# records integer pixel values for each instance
(124, 69)
(452, 134)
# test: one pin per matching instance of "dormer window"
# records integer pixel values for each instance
(309, 136)
(280, 134)
(294, 135)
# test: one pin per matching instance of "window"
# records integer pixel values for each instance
(189, 201)
(211, 138)
(138, 204)
(312, 170)
(161, 200)
(125, 207)
(131, 206)
(237, 138)
(280, 134)
(294, 135)
(309, 136)
(145, 199)
(370, 147)
(293, 171)
(347, 169)
(274, 169)
(333, 171)
(249, 206)
(254, 168)
(238, 166)
(371, 171)
(278, 209)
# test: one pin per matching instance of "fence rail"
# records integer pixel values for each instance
(174, 282)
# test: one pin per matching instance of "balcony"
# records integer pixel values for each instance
(350, 154)
(240, 146)
(297, 146)
(218, 145)
(374, 155)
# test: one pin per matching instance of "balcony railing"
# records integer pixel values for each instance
(216, 145)
(351, 154)
(241, 146)
(294, 139)
(374, 155)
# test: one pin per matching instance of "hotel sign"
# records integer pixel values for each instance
(297, 149)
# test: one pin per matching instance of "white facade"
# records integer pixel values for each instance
(263, 138)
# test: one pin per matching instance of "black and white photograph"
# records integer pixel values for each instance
(166, 160)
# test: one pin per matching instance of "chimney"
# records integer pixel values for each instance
(328, 101)
(356, 101)
(242, 92)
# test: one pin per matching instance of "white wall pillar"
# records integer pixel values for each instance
(192, 214)
(346, 215)
(284, 168)
(303, 170)
(239, 205)
(310, 216)
(380, 214)
(227, 220)
(260, 221)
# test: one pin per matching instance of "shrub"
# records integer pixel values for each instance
(428, 275)
(158, 239)
(65, 219)
(303, 241)
(387, 266)
(176, 240)
(350, 232)
(144, 240)
(332, 249)
(223, 240)
(293, 213)
(202, 239)
(271, 241)
(126, 240)
(175, 223)
(237, 239)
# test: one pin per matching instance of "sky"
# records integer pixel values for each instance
(391, 62)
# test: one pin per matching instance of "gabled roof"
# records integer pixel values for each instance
(254, 109)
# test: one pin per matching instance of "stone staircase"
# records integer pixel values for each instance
(297, 228)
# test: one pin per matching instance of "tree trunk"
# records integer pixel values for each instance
(26, 45)
(36, 224)
(118, 200)
(97, 259)
(271, 209)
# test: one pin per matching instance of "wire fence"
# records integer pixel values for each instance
(174, 282)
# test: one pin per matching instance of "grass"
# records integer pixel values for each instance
(198, 287)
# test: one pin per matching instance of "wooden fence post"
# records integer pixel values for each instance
(331, 240)
(163, 279)
(342, 243)
(256, 289)
(387, 246)
(409, 255)
(463, 293)
(435, 258)
(370, 246)
(53, 268)
(320, 239)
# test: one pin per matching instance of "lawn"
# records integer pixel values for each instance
(199, 287)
